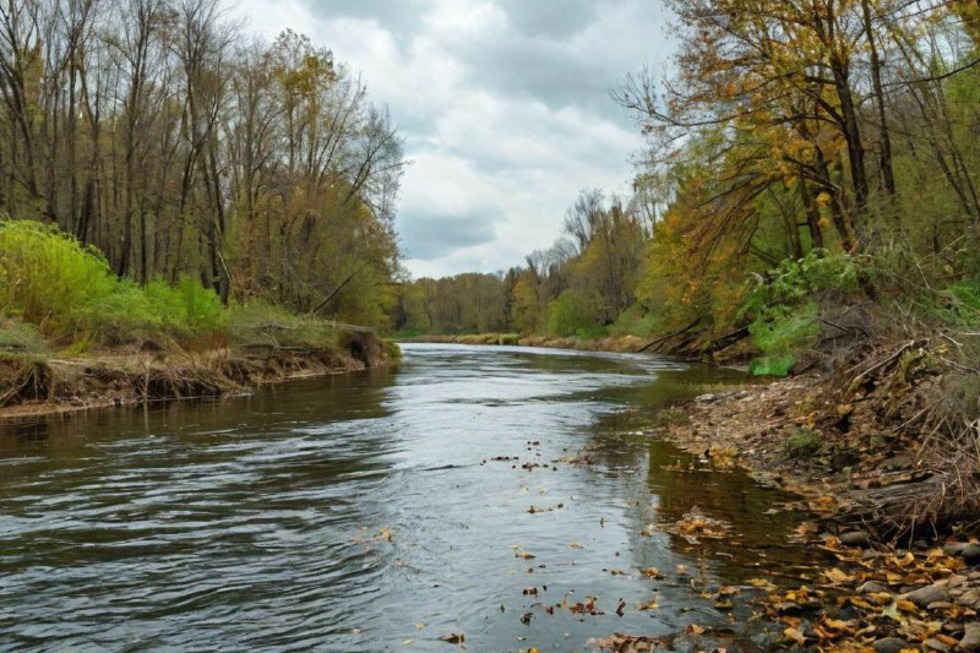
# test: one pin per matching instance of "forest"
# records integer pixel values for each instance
(158, 143)
(810, 175)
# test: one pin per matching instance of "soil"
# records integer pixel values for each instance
(894, 510)
(35, 386)
(621, 344)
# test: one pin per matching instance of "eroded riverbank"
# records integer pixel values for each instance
(35, 386)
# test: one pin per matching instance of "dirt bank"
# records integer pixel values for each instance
(891, 483)
(623, 344)
(32, 386)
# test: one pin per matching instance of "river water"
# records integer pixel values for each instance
(375, 512)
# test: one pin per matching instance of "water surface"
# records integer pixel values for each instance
(376, 511)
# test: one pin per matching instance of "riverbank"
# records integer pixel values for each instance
(893, 488)
(35, 385)
(620, 344)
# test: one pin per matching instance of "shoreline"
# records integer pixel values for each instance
(45, 387)
(881, 588)
(627, 344)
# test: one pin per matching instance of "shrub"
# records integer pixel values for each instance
(568, 314)
(783, 310)
(804, 443)
(68, 290)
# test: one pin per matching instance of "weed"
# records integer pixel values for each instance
(804, 444)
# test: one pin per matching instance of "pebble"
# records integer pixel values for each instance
(890, 645)
(970, 598)
(923, 596)
(955, 548)
(855, 538)
(971, 639)
(872, 587)
(971, 555)
(936, 645)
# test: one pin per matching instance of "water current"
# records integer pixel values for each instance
(378, 511)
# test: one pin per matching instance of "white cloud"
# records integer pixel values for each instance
(504, 125)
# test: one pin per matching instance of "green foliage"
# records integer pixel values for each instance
(569, 314)
(804, 444)
(636, 321)
(772, 365)
(17, 337)
(784, 311)
(68, 291)
(258, 323)
(47, 278)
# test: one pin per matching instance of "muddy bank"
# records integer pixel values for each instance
(894, 511)
(620, 344)
(33, 386)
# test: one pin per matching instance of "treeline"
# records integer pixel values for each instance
(584, 282)
(801, 151)
(161, 133)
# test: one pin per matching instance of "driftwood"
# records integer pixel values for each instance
(660, 341)
(726, 340)
(907, 503)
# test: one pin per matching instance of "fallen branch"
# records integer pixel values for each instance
(660, 341)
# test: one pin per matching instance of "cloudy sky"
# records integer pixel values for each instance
(504, 105)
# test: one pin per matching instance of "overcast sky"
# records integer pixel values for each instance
(504, 106)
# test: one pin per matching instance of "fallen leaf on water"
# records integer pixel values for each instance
(408, 642)
(694, 629)
(652, 572)
(626, 643)
(761, 583)
(577, 545)
(421, 625)
(649, 605)
(620, 608)
(454, 638)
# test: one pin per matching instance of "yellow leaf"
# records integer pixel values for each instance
(837, 576)
(796, 635)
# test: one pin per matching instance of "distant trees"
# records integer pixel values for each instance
(153, 130)
(819, 146)
(582, 283)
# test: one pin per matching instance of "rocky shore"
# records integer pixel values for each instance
(903, 571)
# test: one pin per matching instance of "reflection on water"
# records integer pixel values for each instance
(357, 513)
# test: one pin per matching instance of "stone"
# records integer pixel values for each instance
(923, 596)
(971, 638)
(956, 581)
(970, 598)
(955, 548)
(855, 538)
(890, 645)
(936, 645)
(872, 587)
(971, 555)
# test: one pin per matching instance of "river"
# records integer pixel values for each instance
(375, 512)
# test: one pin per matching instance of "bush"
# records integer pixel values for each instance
(804, 444)
(569, 314)
(264, 324)
(783, 310)
(47, 278)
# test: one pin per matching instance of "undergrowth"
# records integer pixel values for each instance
(70, 295)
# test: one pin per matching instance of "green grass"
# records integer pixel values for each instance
(264, 324)
(70, 295)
